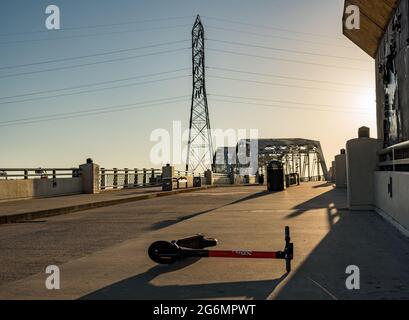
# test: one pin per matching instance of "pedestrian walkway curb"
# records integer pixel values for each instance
(25, 216)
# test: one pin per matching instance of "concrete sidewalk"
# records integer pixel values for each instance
(22, 210)
(327, 237)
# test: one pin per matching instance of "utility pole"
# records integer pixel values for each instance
(200, 147)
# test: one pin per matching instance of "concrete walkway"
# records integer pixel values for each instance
(22, 210)
(327, 237)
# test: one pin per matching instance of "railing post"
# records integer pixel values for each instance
(25, 174)
(90, 177)
(76, 173)
(102, 179)
(126, 182)
(135, 179)
(152, 182)
(54, 174)
(115, 180)
(144, 177)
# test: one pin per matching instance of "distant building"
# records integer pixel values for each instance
(383, 34)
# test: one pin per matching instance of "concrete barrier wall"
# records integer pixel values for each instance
(221, 180)
(238, 179)
(189, 181)
(38, 188)
(204, 181)
(393, 206)
(341, 170)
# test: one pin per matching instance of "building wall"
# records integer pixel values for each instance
(391, 197)
(392, 81)
(391, 189)
(38, 188)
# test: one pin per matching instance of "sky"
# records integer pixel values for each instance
(257, 52)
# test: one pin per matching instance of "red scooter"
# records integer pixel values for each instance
(163, 252)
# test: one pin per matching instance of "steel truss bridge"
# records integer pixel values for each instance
(301, 156)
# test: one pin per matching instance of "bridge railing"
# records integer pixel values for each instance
(129, 178)
(221, 175)
(38, 173)
(394, 158)
(179, 173)
(180, 179)
(312, 179)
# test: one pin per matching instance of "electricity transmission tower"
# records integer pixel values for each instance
(200, 148)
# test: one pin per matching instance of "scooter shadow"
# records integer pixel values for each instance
(140, 287)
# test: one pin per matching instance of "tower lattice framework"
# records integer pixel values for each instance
(200, 148)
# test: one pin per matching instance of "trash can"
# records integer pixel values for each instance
(197, 182)
(275, 176)
(167, 184)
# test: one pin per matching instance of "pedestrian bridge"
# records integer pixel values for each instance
(101, 252)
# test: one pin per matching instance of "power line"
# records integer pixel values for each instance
(93, 55)
(286, 60)
(144, 104)
(94, 111)
(285, 50)
(289, 107)
(94, 84)
(290, 78)
(93, 63)
(271, 28)
(95, 26)
(95, 90)
(279, 37)
(283, 85)
(91, 110)
(289, 102)
(95, 34)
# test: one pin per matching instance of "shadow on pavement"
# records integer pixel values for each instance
(252, 197)
(361, 239)
(334, 200)
(140, 287)
(167, 223)
(324, 185)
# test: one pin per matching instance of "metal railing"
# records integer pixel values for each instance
(129, 178)
(188, 174)
(394, 158)
(38, 173)
(182, 180)
(221, 175)
(313, 179)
